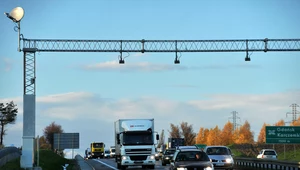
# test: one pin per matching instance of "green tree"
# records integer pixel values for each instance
(8, 115)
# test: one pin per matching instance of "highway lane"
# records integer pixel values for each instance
(110, 164)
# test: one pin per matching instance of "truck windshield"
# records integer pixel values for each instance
(97, 145)
(137, 139)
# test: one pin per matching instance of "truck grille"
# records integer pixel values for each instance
(138, 151)
(138, 158)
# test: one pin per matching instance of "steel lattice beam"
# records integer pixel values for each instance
(251, 45)
(29, 73)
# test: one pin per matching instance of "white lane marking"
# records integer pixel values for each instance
(105, 164)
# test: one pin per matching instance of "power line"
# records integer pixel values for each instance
(234, 118)
(294, 112)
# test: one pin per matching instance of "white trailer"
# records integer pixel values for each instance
(135, 143)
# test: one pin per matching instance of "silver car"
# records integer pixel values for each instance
(220, 156)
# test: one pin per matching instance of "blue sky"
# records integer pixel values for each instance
(87, 92)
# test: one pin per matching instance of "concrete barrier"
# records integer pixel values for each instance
(9, 153)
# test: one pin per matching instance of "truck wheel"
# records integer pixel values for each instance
(123, 167)
(163, 164)
(152, 166)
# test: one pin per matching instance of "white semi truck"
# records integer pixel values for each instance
(135, 141)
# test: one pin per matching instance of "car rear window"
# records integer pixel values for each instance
(217, 151)
(269, 153)
(190, 156)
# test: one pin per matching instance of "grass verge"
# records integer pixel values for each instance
(48, 161)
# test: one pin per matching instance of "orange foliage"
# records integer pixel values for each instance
(262, 134)
(296, 123)
(213, 137)
(244, 134)
(280, 123)
(227, 134)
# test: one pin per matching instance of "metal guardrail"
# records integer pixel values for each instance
(9, 153)
(265, 164)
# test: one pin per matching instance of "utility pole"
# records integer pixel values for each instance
(294, 112)
(234, 118)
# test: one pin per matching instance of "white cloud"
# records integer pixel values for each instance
(93, 116)
(6, 63)
(147, 66)
(136, 66)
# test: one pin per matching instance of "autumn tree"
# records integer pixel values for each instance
(213, 137)
(8, 115)
(161, 139)
(227, 134)
(245, 134)
(43, 144)
(296, 122)
(280, 123)
(49, 133)
(200, 136)
(188, 133)
(262, 134)
(175, 132)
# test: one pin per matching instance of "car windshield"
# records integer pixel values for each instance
(107, 152)
(168, 152)
(217, 151)
(192, 156)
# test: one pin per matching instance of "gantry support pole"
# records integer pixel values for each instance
(28, 151)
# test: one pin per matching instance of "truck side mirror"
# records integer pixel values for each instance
(118, 138)
(157, 136)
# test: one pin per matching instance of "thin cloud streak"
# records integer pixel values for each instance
(155, 67)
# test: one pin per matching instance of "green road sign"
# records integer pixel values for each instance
(283, 134)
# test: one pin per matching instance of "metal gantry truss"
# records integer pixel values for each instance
(52, 45)
(31, 46)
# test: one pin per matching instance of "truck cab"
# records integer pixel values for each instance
(135, 143)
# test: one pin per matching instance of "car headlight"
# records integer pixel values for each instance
(181, 168)
(208, 168)
(124, 157)
(152, 157)
(228, 160)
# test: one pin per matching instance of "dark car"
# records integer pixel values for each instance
(190, 159)
(167, 156)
